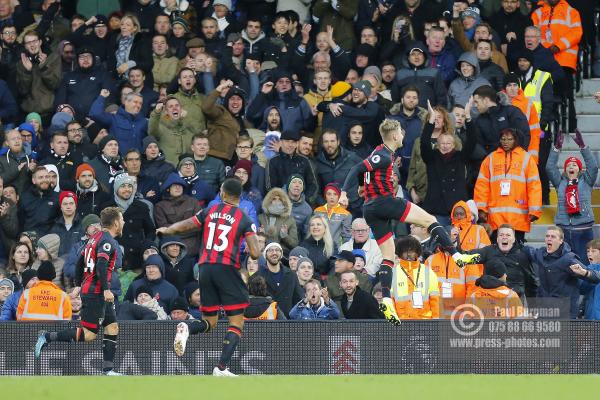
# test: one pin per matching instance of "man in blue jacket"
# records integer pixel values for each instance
(560, 270)
(9, 308)
(128, 124)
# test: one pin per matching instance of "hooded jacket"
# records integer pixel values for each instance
(428, 80)
(158, 168)
(470, 236)
(223, 128)
(301, 211)
(495, 299)
(492, 73)
(272, 224)
(164, 291)
(180, 272)
(258, 305)
(294, 110)
(170, 210)
(462, 87)
(279, 169)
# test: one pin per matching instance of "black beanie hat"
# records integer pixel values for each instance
(28, 275)
(495, 268)
(104, 141)
(180, 303)
(526, 54)
(144, 289)
(511, 77)
(46, 271)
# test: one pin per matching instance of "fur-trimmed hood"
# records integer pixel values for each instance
(287, 204)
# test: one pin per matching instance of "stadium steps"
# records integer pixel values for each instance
(588, 121)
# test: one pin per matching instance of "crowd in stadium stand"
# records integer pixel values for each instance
(149, 105)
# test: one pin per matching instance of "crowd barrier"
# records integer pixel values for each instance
(320, 347)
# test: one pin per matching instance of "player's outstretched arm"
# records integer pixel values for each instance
(253, 246)
(184, 226)
(356, 173)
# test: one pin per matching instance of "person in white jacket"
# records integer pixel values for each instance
(361, 233)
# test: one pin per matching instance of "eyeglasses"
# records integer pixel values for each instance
(75, 130)
(360, 230)
(31, 42)
(9, 33)
(244, 147)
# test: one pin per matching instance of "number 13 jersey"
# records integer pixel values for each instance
(224, 226)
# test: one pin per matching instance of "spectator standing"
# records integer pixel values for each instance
(108, 163)
(469, 79)
(574, 212)
(282, 284)
(130, 47)
(153, 160)
(9, 308)
(68, 225)
(90, 195)
(336, 215)
(589, 290)
(209, 168)
(16, 165)
(508, 190)
(301, 211)
(38, 206)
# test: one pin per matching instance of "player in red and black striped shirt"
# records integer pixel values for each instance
(382, 206)
(94, 269)
(224, 226)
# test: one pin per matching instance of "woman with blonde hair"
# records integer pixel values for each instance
(129, 48)
(402, 35)
(416, 183)
(319, 244)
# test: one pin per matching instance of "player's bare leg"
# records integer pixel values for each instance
(206, 324)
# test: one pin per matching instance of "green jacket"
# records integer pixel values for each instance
(192, 104)
(38, 85)
(174, 136)
(342, 20)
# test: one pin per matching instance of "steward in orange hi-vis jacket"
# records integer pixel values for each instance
(508, 189)
(560, 26)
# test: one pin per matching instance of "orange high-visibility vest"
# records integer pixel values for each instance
(44, 301)
(460, 281)
(560, 26)
(269, 314)
(500, 302)
(403, 288)
(527, 107)
(517, 170)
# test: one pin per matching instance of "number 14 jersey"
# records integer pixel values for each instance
(224, 227)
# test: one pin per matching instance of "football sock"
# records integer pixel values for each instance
(109, 347)
(67, 335)
(232, 338)
(385, 277)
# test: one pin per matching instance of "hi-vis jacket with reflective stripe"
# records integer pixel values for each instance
(517, 172)
(461, 281)
(560, 26)
(44, 301)
(499, 302)
(541, 94)
(527, 107)
(402, 291)
(269, 314)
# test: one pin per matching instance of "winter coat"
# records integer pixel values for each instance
(287, 293)
(165, 291)
(138, 228)
(497, 118)
(170, 210)
(158, 168)
(9, 225)
(37, 86)
(80, 88)
(363, 306)
(446, 174)
(303, 311)
(8, 106)
(316, 253)
(516, 22)
(140, 53)
(493, 74)
(279, 169)
(68, 238)
(128, 129)
(335, 170)
(180, 272)
(9, 308)
(589, 290)
(370, 115)
(462, 88)
(164, 70)
(90, 201)
(272, 224)
(294, 110)
(223, 128)
(521, 274)
(413, 127)
(445, 62)
(459, 35)
(84, 36)
(211, 170)
(258, 305)
(11, 174)
(38, 210)
(556, 278)
(301, 212)
(335, 290)
(192, 103)
(372, 251)
(428, 80)
(174, 136)
(585, 185)
(340, 18)
(105, 172)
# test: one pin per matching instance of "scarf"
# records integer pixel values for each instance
(122, 53)
(92, 189)
(190, 179)
(124, 204)
(276, 209)
(572, 197)
(153, 305)
(56, 156)
(114, 165)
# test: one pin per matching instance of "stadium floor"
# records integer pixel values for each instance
(444, 387)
